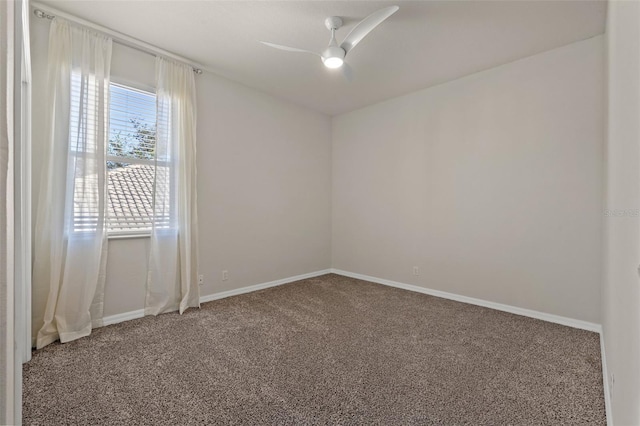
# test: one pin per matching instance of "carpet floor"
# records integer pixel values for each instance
(326, 350)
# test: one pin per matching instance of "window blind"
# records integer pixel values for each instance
(131, 163)
(131, 159)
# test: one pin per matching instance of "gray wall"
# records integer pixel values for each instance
(490, 184)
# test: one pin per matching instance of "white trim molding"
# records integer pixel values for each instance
(569, 322)
(251, 288)
(605, 381)
(127, 316)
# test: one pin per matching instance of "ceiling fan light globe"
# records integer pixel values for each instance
(333, 62)
(333, 57)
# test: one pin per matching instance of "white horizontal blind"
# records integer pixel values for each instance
(131, 165)
(131, 160)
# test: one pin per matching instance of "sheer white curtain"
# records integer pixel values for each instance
(172, 278)
(71, 237)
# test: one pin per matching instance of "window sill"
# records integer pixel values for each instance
(128, 236)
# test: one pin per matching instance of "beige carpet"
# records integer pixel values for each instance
(327, 350)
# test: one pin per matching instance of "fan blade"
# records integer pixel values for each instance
(365, 26)
(347, 72)
(287, 48)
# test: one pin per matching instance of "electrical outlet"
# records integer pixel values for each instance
(200, 279)
(225, 275)
(416, 271)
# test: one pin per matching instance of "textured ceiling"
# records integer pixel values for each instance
(423, 44)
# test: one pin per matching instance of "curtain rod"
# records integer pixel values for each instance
(47, 12)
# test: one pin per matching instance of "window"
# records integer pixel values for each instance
(130, 160)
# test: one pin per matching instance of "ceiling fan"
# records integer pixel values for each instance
(333, 56)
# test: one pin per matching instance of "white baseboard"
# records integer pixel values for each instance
(126, 316)
(605, 381)
(249, 289)
(570, 322)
